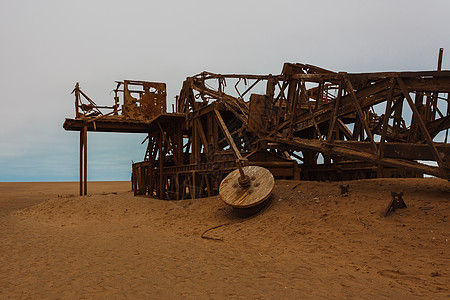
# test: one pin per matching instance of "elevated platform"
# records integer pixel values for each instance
(117, 124)
(167, 121)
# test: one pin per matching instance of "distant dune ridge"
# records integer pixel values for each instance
(309, 241)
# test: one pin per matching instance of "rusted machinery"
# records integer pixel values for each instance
(306, 123)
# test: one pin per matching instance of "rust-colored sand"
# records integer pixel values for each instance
(309, 242)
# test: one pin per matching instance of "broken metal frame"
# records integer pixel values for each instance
(307, 122)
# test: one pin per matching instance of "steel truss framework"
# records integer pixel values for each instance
(306, 123)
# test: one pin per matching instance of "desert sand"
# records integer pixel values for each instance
(308, 243)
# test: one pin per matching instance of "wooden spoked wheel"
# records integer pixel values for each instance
(244, 196)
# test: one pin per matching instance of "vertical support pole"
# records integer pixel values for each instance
(270, 88)
(196, 140)
(387, 115)
(210, 135)
(280, 105)
(294, 107)
(215, 133)
(208, 185)
(270, 93)
(193, 185)
(436, 94)
(192, 158)
(319, 95)
(448, 113)
(201, 134)
(77, 100)
(361, 115)
(161, 166)
(397, 116)
(179, 142)
(296, 175)
(177, 186)
(412, 135)
(441, 53)
(133, 187)
(85, 158)
(303, 94)
(330, 137)
(179, 154)
(116, 103)
(292, 90)
(151, 167)
(182, 186)
(81, 160)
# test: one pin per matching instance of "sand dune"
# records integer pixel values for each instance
(309, 242)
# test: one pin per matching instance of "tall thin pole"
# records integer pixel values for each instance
(85, 159)
(81, 160)
(441, 53)
(161, 166)
(439, 68)
(77, 100)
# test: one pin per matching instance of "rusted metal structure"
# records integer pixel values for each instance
(139, 107)
(305, 123)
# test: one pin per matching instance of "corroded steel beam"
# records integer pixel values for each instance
(307, 120)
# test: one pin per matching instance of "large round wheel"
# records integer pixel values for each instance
(259, 189)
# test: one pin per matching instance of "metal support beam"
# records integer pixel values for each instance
(85, 160)
(360, 114)
(421, 125)
(227, 135)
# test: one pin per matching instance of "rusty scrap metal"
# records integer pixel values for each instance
(396, 202)
(305, 123)
(344, 190)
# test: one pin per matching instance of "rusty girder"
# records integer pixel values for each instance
(315, 111)
(307, 122)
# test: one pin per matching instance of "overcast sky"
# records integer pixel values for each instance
(48, 46)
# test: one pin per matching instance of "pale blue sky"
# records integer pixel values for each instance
(47, 46)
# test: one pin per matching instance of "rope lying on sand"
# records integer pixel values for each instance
(232, 223)
(212, 238)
